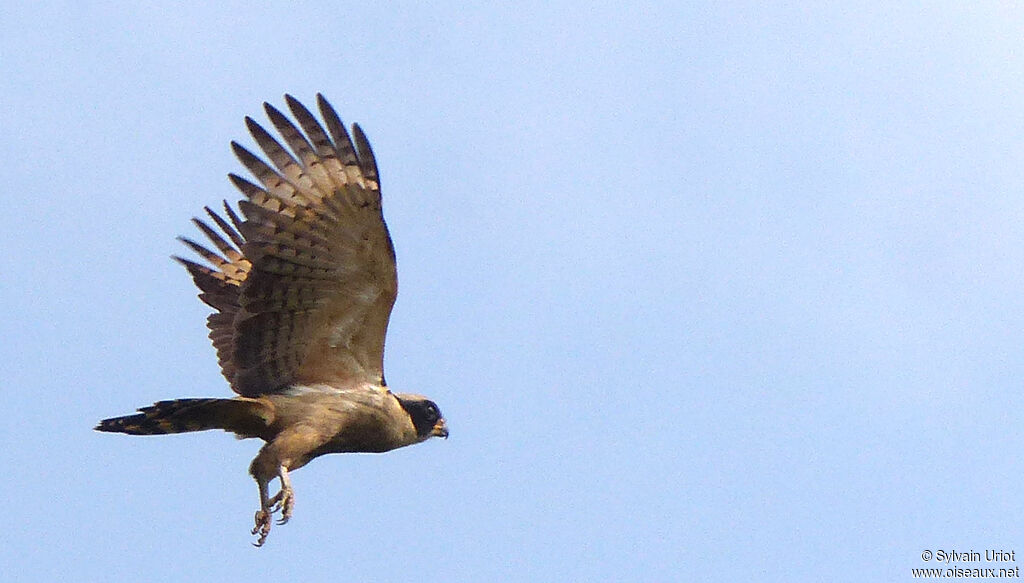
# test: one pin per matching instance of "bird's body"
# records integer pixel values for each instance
(358, 420)
(303, 288)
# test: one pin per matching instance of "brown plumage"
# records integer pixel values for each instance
(302, 284)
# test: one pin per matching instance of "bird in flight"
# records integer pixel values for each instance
(302, 282)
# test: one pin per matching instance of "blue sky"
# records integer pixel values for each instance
(714, 291)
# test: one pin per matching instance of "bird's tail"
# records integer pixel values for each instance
(245, 417)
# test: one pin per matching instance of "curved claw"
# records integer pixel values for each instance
(262, 527)
(285, 499)
(285, 502)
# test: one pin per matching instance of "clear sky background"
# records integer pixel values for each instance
(715, 291)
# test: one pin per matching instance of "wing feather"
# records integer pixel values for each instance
(304, 281)
(367, 163)
(231, 231)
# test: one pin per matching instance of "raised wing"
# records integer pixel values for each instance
(304, 285)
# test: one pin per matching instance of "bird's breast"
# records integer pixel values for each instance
(355, 421)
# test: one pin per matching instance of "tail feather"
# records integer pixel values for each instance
(245, 417)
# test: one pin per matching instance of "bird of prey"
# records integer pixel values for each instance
(302, 284)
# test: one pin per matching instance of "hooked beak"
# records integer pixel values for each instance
(440, 429)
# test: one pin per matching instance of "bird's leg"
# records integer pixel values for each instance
(285, 499)
(289, 450)
(263, 514)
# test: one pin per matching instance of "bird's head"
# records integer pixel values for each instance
(425, 415)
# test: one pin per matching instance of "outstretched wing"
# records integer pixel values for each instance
(304, 282)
